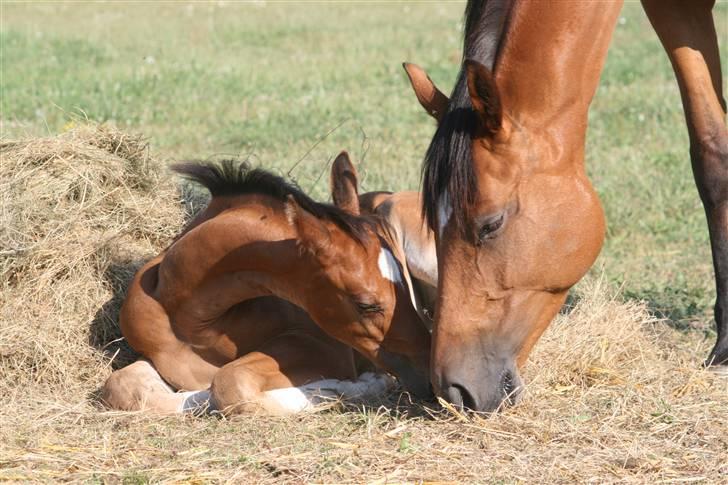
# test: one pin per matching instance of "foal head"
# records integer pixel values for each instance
(516, 222)
(328, 260)
(359, 296)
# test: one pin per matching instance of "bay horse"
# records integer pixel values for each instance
(515, 218)
(256, 305)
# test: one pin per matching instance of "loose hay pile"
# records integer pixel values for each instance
(613, 395)
(78, 212)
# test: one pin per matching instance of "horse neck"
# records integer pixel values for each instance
(550, 59)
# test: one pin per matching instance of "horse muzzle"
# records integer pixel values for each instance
(486, 390)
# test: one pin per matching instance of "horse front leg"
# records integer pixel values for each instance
(688, 35)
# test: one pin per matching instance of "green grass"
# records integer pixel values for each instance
(270, 80)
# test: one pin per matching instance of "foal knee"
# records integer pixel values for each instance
(235, 390)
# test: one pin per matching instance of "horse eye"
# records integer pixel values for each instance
(488, 228)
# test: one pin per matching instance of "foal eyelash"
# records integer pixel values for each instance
(366, 308)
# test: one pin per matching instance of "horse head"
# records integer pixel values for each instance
(516, 223)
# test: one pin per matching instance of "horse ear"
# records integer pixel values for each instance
(312, 234)
(431, 98)
(344, 189)
(484, 96)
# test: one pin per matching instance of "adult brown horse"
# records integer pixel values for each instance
(516, 220)
(212, 311)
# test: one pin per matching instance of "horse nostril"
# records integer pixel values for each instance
(459, 396)
(452, 395)
(510, 388)
(468, 400)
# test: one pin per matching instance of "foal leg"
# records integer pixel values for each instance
(687, 33)
(291, 374)
(139, 387)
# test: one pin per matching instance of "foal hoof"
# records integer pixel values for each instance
(368, 385)
(377, 384)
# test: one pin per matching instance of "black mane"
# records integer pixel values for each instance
(448, 165)
(231, 177)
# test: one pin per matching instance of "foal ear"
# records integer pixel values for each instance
(344, 189)
(484, 96)
(313, 236)
(431, 98)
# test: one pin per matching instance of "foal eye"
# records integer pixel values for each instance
(488, 229)
(368, 308)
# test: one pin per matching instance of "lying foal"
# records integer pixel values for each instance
(212, 313)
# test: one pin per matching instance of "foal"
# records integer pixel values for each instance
(212, 313)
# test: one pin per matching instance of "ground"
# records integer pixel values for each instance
(288, 86)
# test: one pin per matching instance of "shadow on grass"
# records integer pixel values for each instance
(105, 334)
(396, 404)
(683, 308)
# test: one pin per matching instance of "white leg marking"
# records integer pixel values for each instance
(296, 399)
(290, 399)
(388, 266)
(195, 402)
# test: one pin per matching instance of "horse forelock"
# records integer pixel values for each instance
(448, 174)
(233, 177)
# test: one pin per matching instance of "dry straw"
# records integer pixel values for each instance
(613, 395)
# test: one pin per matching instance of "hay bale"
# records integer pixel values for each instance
(80, 212)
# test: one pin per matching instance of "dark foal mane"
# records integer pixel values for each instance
(448, 165)
(232, 177)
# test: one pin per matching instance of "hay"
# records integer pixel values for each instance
(79, 211)
(613, 394)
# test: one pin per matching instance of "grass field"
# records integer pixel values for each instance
(290, 85)
(269, 80)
